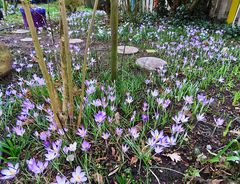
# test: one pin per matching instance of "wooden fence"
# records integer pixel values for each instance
(220, 8)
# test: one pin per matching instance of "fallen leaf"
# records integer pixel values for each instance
(113, 172)
(215, 181)
(28, 94)
(117, 117)
(139, 126)
(100, 159)
(76, 91)
(157, 159)
(28, 121)
(175, 157)
(98, 178)
(134, 160)
(237, 132)
(188, 113)
(113, 151)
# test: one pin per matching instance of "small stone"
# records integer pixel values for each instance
(209, 147)
(20, 31)
(74, 41)
(127, 50)
(150, 63)
(5, 60)
(28, 39)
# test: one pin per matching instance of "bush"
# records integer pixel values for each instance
(72, 5)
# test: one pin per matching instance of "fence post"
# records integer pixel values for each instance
(233, 11)
(222, 10)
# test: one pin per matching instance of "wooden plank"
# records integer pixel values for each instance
(222, 9)
(151, 5)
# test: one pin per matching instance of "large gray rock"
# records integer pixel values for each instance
(150, 63)
(5, 60)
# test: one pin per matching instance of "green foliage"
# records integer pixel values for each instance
(192, 172)
(72, 5)
(230, 153)
(236, 98)
(1, 4)
(232, 32)
(10, 150)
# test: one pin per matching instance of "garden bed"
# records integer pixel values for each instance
(193, 100)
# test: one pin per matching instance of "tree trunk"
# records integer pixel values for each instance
(84, 69)
(68, 60)
(114, 32)
(55, 102)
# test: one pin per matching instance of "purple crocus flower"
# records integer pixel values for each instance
(78, 176)
(51, 155)
(188, 99)
(201, 97)
(219, 121)
(36, 167)
(144, 117)
(151, 142)
(19, 130)
(10, 172)
(133, 132)
(201, 117)
(100, 116)
(82, 132)
(44, 135)
(154, 93)
(54, 151)
(125, 148)
(166, 103)
(133, 116)
(105, 135)
(177, 128)
(90, 90)
(145, 107)
(172, 140)
(158, 149)
(160, 101)
(157, 135)
(72, 147)
(97, 103)
(163, 142)
(46, 143)
(85, 145)
(119, 131)
(129, 99)
(61, 180)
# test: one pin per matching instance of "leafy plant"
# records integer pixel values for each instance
(231, 152)
(10, 150)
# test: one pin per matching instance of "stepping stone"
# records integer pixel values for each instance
(74, 41)
(128, 50)
(5, 60)
(20, 31)
(28, 39)
(150, 63)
